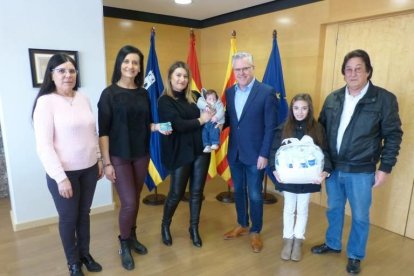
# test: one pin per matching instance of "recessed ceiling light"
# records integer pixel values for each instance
(284, 20)
(183, 2)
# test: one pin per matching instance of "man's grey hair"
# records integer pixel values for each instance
(241, 55)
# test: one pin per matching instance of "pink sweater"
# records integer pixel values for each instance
(65, 133)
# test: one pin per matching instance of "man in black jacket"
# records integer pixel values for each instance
(363, 128)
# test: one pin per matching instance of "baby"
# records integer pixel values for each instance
(209, 101)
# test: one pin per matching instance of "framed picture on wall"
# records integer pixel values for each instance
(39, 59)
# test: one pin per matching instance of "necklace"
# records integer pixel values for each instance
(68, 99)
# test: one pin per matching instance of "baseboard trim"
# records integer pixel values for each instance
(53, 220)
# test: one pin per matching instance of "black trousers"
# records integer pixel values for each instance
(74, 222)
(195, 173)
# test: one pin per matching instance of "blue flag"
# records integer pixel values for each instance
(273, 76)
(153, 84)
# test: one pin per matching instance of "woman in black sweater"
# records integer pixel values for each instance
(125, 126)
(182, 151)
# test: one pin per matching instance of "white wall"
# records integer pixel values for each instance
(45, 24)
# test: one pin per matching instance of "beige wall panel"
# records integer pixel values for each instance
(340, 10)
(326, 84)
(388, 44)
(171, 42)
(298, 40)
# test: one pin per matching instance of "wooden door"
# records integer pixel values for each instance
(390, 43)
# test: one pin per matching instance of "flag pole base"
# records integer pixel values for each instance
(186, 197)
(225, 197)
(154, 199)
(269, 199)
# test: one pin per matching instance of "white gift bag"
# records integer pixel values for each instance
(299, 161)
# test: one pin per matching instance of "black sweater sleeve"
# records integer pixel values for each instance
(104, 113)
(170, 110)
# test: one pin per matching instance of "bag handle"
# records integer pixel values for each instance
(290, 141)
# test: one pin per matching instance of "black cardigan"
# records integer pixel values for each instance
(185, 143)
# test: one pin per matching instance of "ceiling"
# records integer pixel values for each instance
(198, 10)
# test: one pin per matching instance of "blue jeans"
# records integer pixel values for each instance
(247, 181)
(357, 189)
(211, 134)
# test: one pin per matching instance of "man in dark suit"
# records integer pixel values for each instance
(251, 113)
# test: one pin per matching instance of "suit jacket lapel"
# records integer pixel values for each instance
(250, 99)
(230, 99)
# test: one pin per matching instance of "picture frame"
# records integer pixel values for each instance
(39, 59)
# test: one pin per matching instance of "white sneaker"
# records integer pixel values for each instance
(214, 147)
(207, 149)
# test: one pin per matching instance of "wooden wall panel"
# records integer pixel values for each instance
(298, 40)
(171, 42)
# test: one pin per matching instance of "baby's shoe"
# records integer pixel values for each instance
(214, 147)
(207, 149)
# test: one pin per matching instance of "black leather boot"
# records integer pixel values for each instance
(90, 263)
(195, 236)
(135, 244)
(166, 235)
(75, 269)
(169, 210)
(195, 208)
(125, 253)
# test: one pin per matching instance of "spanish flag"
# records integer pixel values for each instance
(223, 168)
(196, 86)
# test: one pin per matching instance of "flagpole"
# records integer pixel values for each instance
(155, 198)
(227, 196)
(269, 198)
(193, 65)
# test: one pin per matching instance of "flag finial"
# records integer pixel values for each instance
(274, 34)
(233, 34)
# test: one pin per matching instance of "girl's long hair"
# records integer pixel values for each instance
(313, 129)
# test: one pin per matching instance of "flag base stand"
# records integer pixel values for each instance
(226, 197)
(154, 199)
(186, 197)
(268, 198)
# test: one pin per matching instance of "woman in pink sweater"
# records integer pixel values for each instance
(67, 146)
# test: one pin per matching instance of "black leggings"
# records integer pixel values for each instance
(196, 173)
(74, 212)
(130, 176)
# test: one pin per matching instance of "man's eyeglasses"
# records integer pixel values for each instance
(242, 70)
(357, 70)
(62, 71)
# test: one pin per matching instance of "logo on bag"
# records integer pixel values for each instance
(299, 161)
